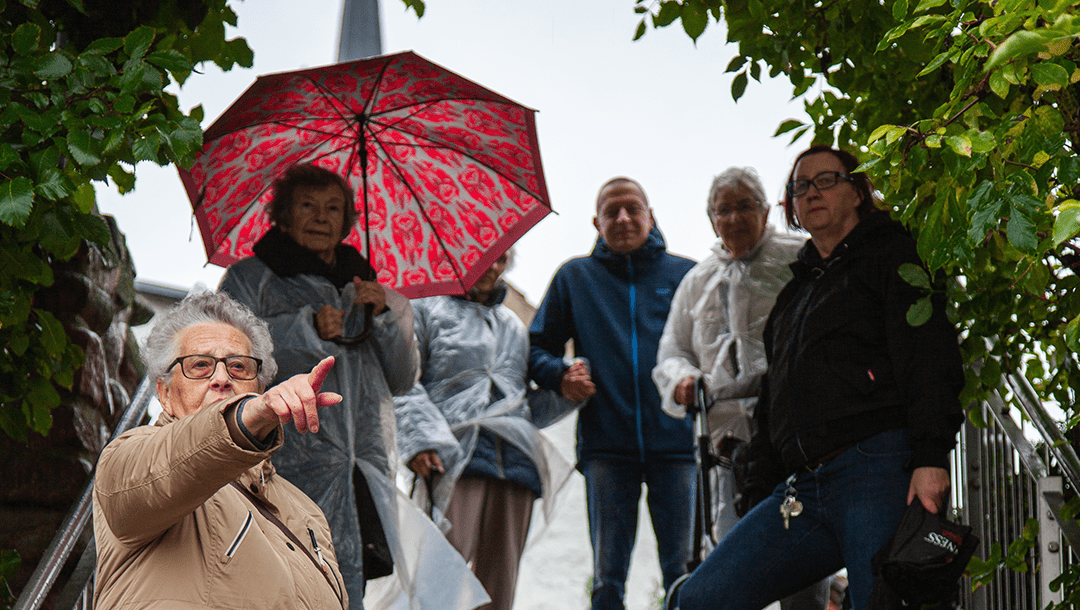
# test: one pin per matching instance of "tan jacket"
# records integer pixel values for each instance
(172, 533)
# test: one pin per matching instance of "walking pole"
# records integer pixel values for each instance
(706, 461)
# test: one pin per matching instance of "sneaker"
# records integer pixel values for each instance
(671, 600)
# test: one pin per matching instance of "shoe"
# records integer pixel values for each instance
(671, 600)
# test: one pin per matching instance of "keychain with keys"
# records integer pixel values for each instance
(790, 507)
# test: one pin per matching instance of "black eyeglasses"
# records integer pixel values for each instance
(823, 181)
(202, 366)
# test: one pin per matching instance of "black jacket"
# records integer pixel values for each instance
(844, 364)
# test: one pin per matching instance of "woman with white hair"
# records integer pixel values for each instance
(189, 512)
(714, 330)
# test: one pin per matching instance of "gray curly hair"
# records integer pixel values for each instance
(163, 345)
(734, 177)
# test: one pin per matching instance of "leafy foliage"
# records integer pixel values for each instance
(82, 98)
(9, 565)
(966, 114)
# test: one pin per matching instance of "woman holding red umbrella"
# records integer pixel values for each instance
(313, 291)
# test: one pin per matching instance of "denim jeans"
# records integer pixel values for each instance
(613, 489)
(851, 506)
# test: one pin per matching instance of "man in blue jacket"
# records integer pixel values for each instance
(613, 304)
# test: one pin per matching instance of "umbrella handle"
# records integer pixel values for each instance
(369, 323)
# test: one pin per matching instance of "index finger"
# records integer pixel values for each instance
(318, 374)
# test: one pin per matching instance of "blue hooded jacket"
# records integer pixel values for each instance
(614, 307)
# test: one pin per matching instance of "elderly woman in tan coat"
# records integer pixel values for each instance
(189, 513)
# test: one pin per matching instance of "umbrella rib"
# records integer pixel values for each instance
(330, 95)
(441, 144)
(389, 162)
(421, 106)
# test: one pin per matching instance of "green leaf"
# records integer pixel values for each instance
(1067, 223)
(936, 63)
(1019, 44)
(1072, 334)
(670, 10)
(736, 63)
(982, 141)
(738, 86)
(85, 198)
(52, 185)
(899, 9)
(787, 126)
(83, 148)
(170, 60)
(56, 238)
(137, 43)
(915, 275)
(42, 398)
(103, 46)
(146, 148)
(93, 228)
(9, 563)
(926, 5)
(125, 181)
(695, 17)
(52, 338)
(26, 38)
(878, 133)
(7, 155)
(141, 77)
(1048, 74)
(998, 84)
(16, 201)
(919, 312)
(640, 31)
(53, 66)
(1021, 231)
(19, 343)
(960, 144)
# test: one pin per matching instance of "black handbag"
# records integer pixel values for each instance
(376, 553)
(922, 562)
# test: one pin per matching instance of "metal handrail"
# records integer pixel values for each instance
(44, 576)
(1056, 442)
(1033, 462)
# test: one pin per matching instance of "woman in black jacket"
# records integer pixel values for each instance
(859, 409)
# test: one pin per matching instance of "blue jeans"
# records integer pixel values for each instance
(851, 507)
(613, 489)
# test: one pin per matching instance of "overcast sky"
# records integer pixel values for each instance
(658, 110)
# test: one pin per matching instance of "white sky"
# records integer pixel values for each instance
(658, 110)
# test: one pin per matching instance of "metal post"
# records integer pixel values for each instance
(361, 35)
(974, 506)
(1050, 555)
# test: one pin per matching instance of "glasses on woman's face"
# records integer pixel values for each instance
(202, 366)
(743, 207)
(823, 181)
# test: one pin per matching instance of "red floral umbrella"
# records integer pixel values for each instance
(448, 173)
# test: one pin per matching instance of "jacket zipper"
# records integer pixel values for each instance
(634, 352)
(318, 552)
(240, 535)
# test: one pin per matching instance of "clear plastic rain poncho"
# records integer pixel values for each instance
(359, 432)
(474, 364)
(715, 329)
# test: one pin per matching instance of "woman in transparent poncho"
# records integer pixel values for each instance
(468, 429)
(714, 330)
(312, 290)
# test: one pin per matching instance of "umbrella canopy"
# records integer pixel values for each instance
(447, 173)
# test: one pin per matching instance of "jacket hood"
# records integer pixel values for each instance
(654, 247)
(497, 296)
